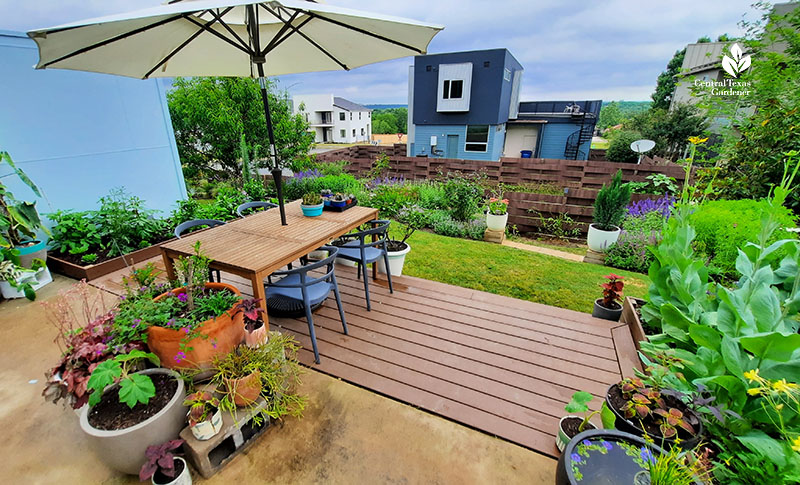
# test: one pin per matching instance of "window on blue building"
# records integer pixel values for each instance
(477, 138)
(453, 89)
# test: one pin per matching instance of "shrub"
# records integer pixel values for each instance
(125, 224)
(74, 232)
(609, 205)
(431, 195)
(314, 181)
(630, 251)
(255, 189)
(390, 197)
(443, 224)
(619, 149)
(463, 195)
(724, 226)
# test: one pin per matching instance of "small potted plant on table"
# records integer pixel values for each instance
(164, 468)
(609, 307)
(205, 417)
(609, 209)
(571, 425)
(497, 213)
(338, 200)
(312, 204)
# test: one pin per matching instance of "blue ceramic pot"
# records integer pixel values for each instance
(312, 210)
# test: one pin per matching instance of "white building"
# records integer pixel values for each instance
(334, 119)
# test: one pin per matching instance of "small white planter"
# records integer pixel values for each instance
(396, 261)
(599, 240)
(209, 428)
(184, 478)
(37, 280)
(496, 223)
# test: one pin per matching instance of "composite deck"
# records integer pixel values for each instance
(497, 364)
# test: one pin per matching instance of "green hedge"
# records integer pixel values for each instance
(723, 226)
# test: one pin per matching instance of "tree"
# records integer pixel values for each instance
(210, 115)
(390, 121)
(665, 85)
(619, 149)
(670, 129)
(610, 115)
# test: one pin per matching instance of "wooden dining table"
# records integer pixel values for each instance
(257, 245)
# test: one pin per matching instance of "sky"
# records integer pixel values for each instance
(570, 49)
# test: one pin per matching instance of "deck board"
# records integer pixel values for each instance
(497, 364)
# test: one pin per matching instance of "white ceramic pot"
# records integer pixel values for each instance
(496, 223)
(209, 428)
(396, 261)
(184, 478)
(599, 240)
(37, 280)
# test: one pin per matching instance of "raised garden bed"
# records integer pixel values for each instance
(93, 271)
(631, 314)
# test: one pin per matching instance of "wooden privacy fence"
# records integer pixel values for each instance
(580, 179)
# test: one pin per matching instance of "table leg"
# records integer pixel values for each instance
(257, 280)
(168, 265)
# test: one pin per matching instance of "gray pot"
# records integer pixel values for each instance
(28, 253)
(123, 450)
(606, 313)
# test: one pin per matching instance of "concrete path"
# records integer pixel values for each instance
(348, 434)
(542, 250)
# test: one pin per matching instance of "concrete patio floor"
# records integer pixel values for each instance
(348, 434)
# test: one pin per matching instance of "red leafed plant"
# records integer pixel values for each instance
(252, 313)
(671, 419)
(612, 290)
(202, 406)
(160, 458)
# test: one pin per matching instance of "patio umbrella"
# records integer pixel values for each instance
(236, 38)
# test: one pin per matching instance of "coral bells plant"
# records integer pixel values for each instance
(612, 291)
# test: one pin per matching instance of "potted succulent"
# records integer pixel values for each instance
(647, 410)
(410, 218)
(609, 307)
(338, 200)
(19, 220)
(205, 416)
(164, 468)
(255, 334)
(191, 324)
(269, 372)
(609, 209)
(497, 213)
(312, 204)
(129, 410)
(571, 425)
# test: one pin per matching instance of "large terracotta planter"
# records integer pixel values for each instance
(219, 337)
(245, 390)
(123, 449)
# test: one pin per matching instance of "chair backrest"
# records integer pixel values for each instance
(303, 270)
(185, 226)
(381, 231)
(256, 204)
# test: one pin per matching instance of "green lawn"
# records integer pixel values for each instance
(512, 272)
(574, 249)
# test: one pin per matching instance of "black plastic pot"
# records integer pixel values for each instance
(624, 424)
(606, 313)
(614, 466)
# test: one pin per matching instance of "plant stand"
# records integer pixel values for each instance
(594, 257)
(494, 236)
(238, 433)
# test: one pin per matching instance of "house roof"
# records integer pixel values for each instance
(348, 105)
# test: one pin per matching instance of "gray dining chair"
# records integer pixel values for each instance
(185, 226)
(256, 204)
(299, 286)
(364, 252)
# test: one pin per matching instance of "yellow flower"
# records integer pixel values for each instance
(778, 407)
(754, 391)
(796, 444)
(696, 140)
(752, 375)
(783, 386)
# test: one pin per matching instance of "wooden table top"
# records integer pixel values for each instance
(259, 243)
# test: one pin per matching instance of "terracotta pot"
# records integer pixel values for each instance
(246, 389)
(224, 334)
(123, 450)
(257, 337)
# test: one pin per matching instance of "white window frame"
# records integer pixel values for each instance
(484, 143)
(448, 75)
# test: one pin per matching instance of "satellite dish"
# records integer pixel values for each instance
(642, 146)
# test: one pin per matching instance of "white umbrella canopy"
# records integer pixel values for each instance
(212, 38)
(235, 38)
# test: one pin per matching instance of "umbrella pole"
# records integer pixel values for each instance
(277, 172)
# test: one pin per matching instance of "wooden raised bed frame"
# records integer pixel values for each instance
(94, 271)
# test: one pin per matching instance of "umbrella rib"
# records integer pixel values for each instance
(365, 32)
(184, 44)
(114, 39)
(283, 30)
(307, 38)
(280, 41)
(217, 34)
(229, 29)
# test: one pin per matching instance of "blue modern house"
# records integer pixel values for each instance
(80, 134)
(466, 105)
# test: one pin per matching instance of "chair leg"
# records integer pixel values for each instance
(339, 304)
(388, 272)
(358, 270)
(366, 284)
(311, 331)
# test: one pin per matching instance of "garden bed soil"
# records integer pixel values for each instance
(159, 477)
(70, 264)
(571, 426)
(111, 415)
(617, 401)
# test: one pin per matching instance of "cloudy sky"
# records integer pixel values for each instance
(570, 49)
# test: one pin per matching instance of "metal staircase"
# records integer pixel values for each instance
(576, 140)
